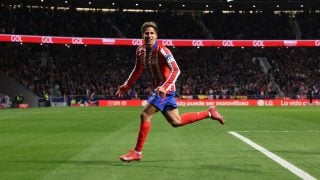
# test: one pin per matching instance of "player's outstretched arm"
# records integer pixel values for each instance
(134, 75)
(122, 90)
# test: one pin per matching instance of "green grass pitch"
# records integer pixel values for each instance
(85, 143)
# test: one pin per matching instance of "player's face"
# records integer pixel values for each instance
(149, 36)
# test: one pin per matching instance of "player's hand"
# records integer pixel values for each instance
(160, 91)
(122, 90)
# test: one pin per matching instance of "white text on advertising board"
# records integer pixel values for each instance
(167, 42)
(290, 42)
(197, 43)
(77, 41)
(227, 43)
(137, 42)
(258, 43)
(46, 39)
(16, 38)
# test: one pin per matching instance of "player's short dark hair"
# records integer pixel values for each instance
(149, 24)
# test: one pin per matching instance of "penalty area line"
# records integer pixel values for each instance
(295, 170)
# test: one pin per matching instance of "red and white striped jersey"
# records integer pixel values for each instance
(160, 63)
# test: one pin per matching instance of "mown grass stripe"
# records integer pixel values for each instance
(295, 170)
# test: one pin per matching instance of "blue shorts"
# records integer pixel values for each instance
(163, 105)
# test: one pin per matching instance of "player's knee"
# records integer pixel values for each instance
(176, 122)
(144, 116)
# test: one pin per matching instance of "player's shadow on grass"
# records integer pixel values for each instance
(75, 162)
(163, 164)
(100, 162)
(229, 168)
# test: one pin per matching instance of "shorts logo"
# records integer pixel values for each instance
(77, 41)
(317, 43)
(16, 38)
(137, 42)
(197, 43)
(258, 43)
(46, 39)
(228, 43)
(167, 43)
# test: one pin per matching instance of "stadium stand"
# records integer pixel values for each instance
(219, 72)
(249, 26)
(309, 25)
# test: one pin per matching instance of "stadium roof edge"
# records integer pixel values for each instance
(197, 5)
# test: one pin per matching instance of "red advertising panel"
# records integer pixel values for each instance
(121, 102)
(167, 42)
(220, 102)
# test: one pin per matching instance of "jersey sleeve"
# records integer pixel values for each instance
(137, 70)
(174, 69)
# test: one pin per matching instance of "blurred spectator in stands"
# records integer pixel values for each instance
(20, 99)
(310, 93)
(47, 99)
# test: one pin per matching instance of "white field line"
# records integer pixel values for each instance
(295, 170)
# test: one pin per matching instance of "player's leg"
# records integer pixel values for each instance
(173, 117)
(177, 120)
(145, 125)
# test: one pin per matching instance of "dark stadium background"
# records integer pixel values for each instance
(85, 142)
(70, 72)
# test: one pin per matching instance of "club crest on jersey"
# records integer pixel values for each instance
(169, 57)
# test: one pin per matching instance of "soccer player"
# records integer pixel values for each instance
(164, 70)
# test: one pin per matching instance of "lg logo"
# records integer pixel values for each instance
(16, 38)
(227, 43)
(46, 39)
(317, 43)
(197, 43)
(258, 43)
(77, 41)
(137, 42)
(167, 43)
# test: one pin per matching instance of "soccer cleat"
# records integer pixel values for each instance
(214, 114)
(131, 156)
